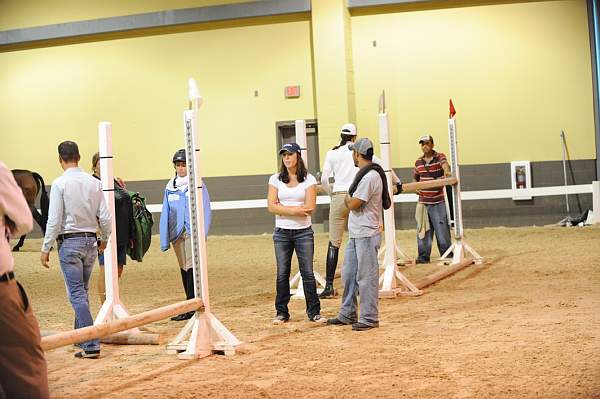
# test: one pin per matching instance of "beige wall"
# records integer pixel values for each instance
(517, 73)
(140, 85)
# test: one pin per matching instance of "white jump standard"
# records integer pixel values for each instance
(392, 282)
(112, 308)
(204, 332)
(296, 281)
(460, 247)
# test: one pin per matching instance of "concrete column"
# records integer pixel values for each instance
(333, 69)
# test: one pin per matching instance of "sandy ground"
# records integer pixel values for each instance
(525, 324)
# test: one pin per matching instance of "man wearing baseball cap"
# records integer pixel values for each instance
(367, 197)
(339, 166)
(431, 208)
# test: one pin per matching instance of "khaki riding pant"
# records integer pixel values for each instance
(338, 218)
(183, 251)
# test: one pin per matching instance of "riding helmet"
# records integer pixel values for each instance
(179, 156)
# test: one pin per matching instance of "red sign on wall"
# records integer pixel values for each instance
(292, 91)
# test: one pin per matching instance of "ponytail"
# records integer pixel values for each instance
(345, 138)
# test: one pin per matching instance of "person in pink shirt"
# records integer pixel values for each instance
(23, 372)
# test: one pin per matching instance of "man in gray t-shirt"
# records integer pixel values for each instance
(360, 273)
(366, 219)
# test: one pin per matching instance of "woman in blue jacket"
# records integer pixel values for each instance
(175, 224)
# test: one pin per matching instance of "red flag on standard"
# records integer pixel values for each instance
(452, 110)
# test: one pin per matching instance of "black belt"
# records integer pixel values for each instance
(73, 235)
(7, 277)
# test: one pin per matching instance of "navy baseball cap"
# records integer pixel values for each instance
(290, 147)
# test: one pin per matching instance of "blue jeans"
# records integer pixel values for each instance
(360, 275)
(77, 257)
(438, 222)
(286, 241)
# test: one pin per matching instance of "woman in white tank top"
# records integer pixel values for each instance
(292, 198)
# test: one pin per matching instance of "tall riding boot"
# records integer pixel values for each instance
(183, 316)
(184, 281)
(189, 280)
(189, 292)
(331, 265)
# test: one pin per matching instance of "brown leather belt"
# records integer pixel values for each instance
(74, 235)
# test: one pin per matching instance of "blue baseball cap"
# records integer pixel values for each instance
(290, 147)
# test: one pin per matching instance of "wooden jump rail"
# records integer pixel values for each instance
(442, 274)
(114, 326)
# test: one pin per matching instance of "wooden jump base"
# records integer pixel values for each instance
(207, 334)
(115, 326)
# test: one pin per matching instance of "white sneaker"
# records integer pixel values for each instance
(319, 319)
(279, 319)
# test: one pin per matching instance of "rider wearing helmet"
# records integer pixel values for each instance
(175, 224)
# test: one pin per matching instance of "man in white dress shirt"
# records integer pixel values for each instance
(77, 207)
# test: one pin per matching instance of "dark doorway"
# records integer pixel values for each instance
(286, 133)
